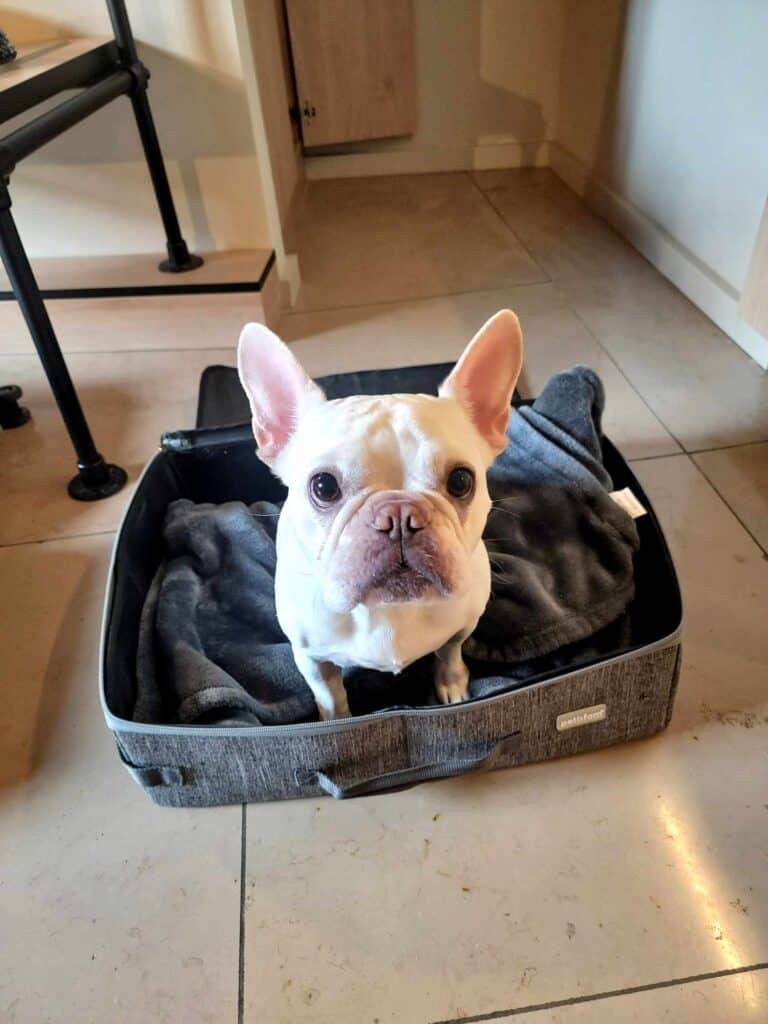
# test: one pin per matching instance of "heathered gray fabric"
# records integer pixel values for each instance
(210, 649)
(180, 768)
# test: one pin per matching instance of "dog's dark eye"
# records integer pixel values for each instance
(325, 488)
(461, 482)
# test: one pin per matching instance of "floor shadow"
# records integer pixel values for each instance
(39, 703)
(608, 156)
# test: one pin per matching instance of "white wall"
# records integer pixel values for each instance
(664, 106)
(88, 192)
(487, 78)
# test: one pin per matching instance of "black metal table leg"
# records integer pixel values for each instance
(95, 478)
(179, 257)
(12, 414)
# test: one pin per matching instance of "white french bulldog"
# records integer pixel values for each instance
(380, 557)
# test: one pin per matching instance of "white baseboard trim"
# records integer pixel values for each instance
(428, 159)
(702, 285)
(505, 153)
(289, 272)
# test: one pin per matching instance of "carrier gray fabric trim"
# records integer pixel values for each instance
(236, 766)
(123, 725)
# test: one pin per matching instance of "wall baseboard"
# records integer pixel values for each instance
(428, 159)
(705, 288)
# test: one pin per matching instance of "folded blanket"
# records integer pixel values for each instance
(561, 549)
(211, 650)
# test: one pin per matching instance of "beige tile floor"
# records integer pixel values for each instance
(741, 475)
(380, 239)
(671, 352)
(713, 1001)
(534, 895)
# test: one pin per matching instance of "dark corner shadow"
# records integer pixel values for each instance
(608, 156)
(501, 112)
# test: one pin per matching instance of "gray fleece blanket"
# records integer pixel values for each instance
(210, 648)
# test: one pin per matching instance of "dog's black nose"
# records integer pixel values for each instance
(400, 519)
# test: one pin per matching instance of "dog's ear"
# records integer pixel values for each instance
(484, 378)
(278, 389)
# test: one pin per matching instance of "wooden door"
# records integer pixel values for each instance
(354, 65)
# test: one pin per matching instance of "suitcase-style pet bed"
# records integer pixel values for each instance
(578, 649)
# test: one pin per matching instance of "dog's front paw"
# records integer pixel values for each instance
(451, 673)
(451, 693)
(330, 712)
(452, 687)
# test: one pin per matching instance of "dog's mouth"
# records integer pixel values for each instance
(404, 581)
(371, 566)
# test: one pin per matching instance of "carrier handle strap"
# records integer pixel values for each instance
(149, 776)
(405, 778)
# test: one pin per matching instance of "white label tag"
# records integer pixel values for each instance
(626, 499)
(583, 716)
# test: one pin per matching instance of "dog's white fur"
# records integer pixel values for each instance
(345, 596)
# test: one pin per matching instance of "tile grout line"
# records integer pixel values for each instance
(728, 505)
(726, 447)
(569, 305)
(594, 336)
(599, 343)
(303, 312)
(57, 537)
(699, 469)
(511, 230)
(241, 938)
(613, 994)
(421, 298)
(653, 458)
(700, 451)
(620, 369)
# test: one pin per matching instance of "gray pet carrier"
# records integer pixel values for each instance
(604, 692)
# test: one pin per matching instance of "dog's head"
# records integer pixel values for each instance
(387, 494)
